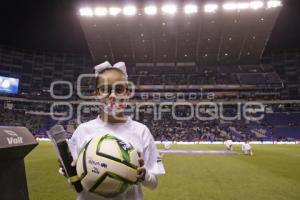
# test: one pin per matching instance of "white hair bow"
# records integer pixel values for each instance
(106, 65)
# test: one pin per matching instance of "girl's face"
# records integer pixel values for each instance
(112, 89)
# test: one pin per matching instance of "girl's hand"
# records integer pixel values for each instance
(141, 170)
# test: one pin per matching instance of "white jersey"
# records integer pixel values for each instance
(133, 132)
(246, 147)
(228, 143)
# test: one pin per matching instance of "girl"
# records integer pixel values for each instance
(112, 89)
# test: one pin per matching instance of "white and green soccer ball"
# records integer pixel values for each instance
(107, 166)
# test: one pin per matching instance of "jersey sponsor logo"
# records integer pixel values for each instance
(13, 137)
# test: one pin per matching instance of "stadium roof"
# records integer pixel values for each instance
(53, 26)
(214, 33)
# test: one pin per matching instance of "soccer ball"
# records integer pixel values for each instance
(107, 166)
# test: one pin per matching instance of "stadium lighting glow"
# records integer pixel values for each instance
(273, 4)
(169, 9)
(88, 12)
(210, 8)
(190, 9)
(256, 5)
(236, 6)
(114, 11)
(129, 10)
(230, 6)
(243, 5)
(150, 10)
(100, 11)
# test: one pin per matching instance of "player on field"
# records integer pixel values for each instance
(167, 145)
(228, 144)
(112, 92)
(246, 148)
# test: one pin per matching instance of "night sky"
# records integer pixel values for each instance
(54, 27)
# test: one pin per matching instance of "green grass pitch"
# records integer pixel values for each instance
(272, 173)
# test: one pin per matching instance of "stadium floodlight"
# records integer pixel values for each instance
(190, 9)
(211, 8)
(129, 10)
(242, 6)
(114, 11)
(230, 6)
(169, 9)
(88, 12)
(256, 5)
(236, 6)
(273, 4)
(100, 11)
(150, 10)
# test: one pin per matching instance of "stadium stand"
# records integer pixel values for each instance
(31, 67)
(37, 70)
(275, 126)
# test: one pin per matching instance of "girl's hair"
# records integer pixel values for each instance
(98, 75)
